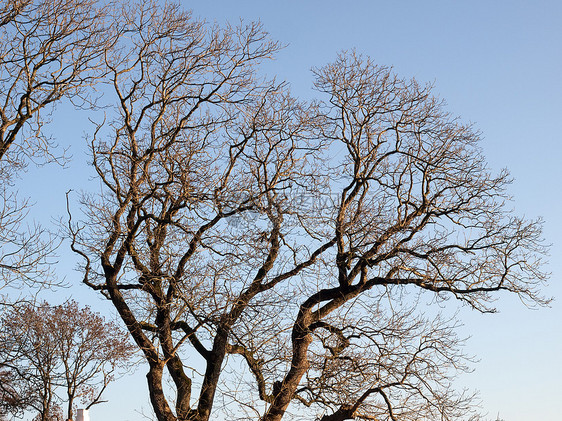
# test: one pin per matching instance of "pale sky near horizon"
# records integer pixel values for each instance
(498, 64)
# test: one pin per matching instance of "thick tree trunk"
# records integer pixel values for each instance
(183, 385)
(46, 401)
(342, 414)
(299, 366)
(161, 408)
(212, 375)
(69, 410)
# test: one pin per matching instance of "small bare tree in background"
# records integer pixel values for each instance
(48, 349)
(269, 253)
(49, 51)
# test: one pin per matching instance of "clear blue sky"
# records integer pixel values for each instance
(497, 64)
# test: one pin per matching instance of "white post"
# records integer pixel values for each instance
(83, 415)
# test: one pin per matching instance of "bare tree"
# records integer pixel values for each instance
(92, 352)
(49, 51)
(14, 399)
(27, 252)
(262, 250)
(30, 357)
(62, 347)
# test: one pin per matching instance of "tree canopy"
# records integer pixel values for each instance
(275, 238)
(267, 254)
(52, 356)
